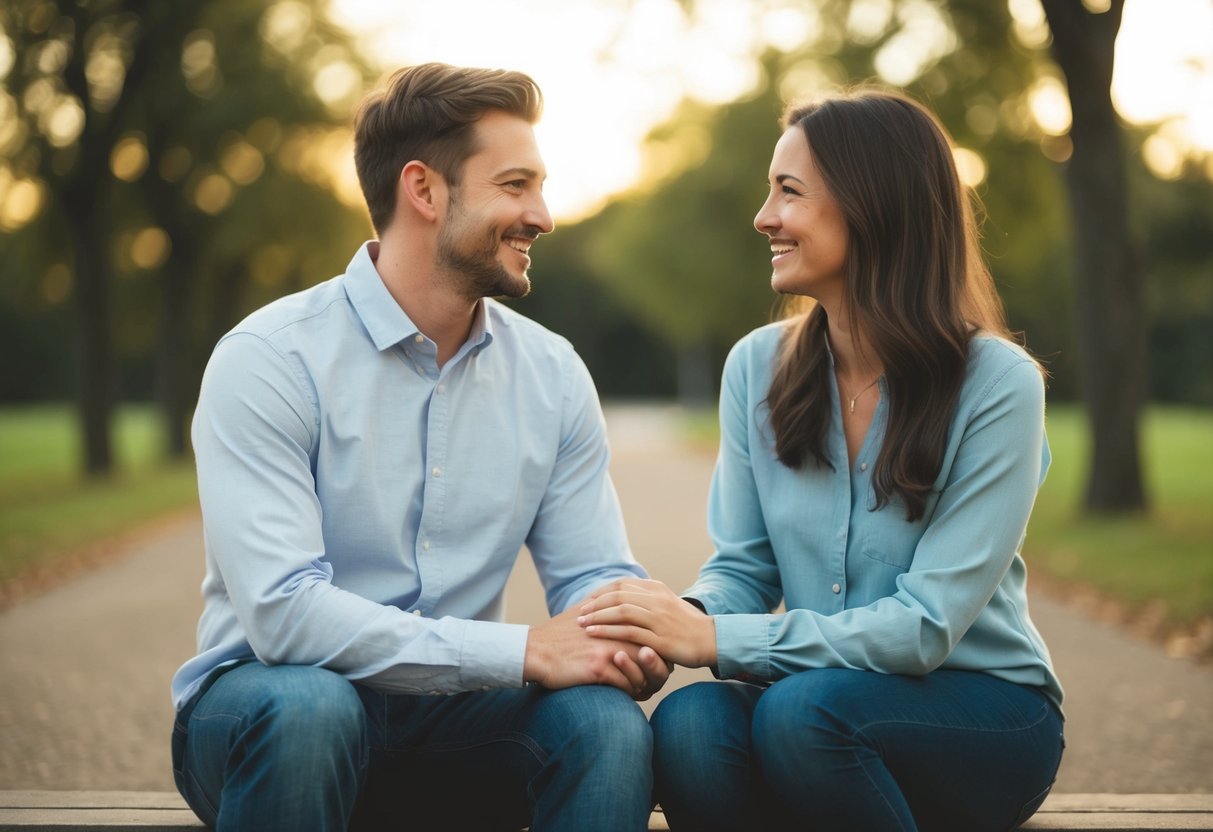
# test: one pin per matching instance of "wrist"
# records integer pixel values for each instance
(708, 641)
(533, 662)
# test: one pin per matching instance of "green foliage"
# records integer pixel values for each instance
(682, 255)
(1177, 218)
(1161, 554)
(687, 258)
(47, 510)
(197, 185)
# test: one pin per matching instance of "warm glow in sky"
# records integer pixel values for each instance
(610, 70)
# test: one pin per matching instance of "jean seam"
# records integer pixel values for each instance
(1044, 714)
(875, 788)
(516, 737)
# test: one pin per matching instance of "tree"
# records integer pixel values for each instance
(68, 122)
(1108, 286)
(119, 118)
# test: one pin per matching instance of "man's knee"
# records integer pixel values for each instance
(603, 719)
(700, 711)
(302, 711)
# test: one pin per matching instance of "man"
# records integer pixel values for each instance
(372, 453)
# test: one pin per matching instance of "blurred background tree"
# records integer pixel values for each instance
(682, 255)
(165, 168)
(165, 162)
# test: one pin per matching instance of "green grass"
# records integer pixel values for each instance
(1165, 554)
(48, 510)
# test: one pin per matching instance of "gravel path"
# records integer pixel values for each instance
(84, 669)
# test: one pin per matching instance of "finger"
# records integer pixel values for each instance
(614, 676)
(656, 669)
(624, 632)
(622, 614)
(625, 593)
(613, 586)
(646, 682)
(629, 668)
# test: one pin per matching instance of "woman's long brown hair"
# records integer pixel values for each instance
(917, 287)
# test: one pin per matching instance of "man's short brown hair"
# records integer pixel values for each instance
(428, 113)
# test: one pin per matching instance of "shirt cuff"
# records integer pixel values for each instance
(743, 647)
(492, 655)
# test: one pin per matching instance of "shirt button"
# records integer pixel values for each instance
(441, 388)
(419, 338)
(426, 545)
(416, 612)
(836, 588)
(437, 472)
(863, 466)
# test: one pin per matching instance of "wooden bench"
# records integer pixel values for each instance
(148, 811)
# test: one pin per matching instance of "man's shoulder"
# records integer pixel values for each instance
(293, 313)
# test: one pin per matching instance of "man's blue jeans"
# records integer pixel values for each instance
(836, 749)
(302, 748)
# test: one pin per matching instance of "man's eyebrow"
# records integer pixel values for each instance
(526, 173)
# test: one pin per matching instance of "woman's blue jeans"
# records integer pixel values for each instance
(852, 750)
(302, 748)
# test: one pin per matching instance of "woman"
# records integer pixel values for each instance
(880, 452)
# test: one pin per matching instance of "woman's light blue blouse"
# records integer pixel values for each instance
(867, 589)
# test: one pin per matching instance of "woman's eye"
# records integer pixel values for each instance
(790, 191)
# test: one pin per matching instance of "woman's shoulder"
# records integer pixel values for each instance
(994, 360)
(762, 343)
(752, 359)
(994, 353)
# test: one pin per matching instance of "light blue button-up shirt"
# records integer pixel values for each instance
(866, 589)
(363, 507)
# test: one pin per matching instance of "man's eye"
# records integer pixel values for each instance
(517, 184)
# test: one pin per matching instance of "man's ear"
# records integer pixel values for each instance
(422, 189)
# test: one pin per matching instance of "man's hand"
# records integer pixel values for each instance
(650, 614)
(560, 654)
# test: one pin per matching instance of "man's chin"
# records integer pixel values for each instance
(516, 287)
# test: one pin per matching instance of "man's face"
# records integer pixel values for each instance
(496, 212)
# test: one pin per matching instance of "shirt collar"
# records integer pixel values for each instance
(383, 318)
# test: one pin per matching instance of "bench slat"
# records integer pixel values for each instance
(79, 811)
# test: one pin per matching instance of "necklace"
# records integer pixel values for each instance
(852, 399)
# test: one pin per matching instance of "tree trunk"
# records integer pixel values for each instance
(1111, 315)
(82, 192)
(174, 347)
(95, 354)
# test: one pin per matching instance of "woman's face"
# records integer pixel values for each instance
(800, 217)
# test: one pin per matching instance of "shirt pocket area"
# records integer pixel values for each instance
(888, 538)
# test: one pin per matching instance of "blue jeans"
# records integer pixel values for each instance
(836, 749)
(302, 748)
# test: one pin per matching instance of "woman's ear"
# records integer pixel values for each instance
(421, 189)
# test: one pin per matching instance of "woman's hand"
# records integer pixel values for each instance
(648, 613)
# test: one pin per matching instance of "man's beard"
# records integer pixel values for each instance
(476, 268)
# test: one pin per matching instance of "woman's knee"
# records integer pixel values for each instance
(802, 713)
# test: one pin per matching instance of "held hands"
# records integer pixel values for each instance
(648, 613)
(560, 654)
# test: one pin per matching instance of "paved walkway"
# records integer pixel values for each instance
(84, 669)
